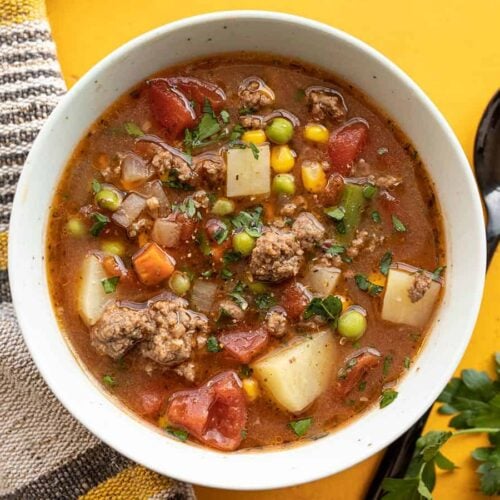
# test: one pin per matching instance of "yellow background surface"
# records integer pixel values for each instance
(450, 48)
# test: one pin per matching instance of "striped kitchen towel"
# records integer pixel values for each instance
(44, 452)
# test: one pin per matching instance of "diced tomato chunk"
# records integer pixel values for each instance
(364, 363)
(170, 108)
(198, 90)
(294, 300)
(215, 413)
(244, 345)
(346, 144)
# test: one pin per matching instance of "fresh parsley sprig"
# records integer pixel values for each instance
(474, 400)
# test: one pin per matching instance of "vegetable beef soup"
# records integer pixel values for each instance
(245, 252)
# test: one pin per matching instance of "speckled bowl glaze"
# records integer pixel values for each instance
(396, 95)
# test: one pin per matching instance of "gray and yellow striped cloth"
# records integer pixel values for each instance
(44, 452)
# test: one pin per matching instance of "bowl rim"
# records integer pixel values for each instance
(304, 474)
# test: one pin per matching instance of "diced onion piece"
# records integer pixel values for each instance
(295, 375)
(135, 170)
(322, 279)
(203, 295)
(130, 209)
(397, 306)
(166, 233)
(92, 298)
(155, 189)
(246, 174)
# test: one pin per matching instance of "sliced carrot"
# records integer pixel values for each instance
(269, 212)
(142, 239)
(217, 251)
(111, 266)
(152, 264)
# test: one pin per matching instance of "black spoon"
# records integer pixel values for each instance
(398, 454)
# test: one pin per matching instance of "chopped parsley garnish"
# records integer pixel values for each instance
(387, 365)
(221, 234)
(231, 256)
(180, 434)
(132, 129)
(385, 263)
(100, 222)
(367, 286)
(328, 308)
(336, 213)
(213, 344)
(335, 250)
(473, 399)
(207, 274)
(202, 240)
(382, 151)
(300, 427)
(250, 221)
(265, 301)
(96, 186)
(362, 386)
(247, 110)
(407, 362)
(224, 116)
(388, 396)
(438, 272)
(236, 295)
(398, 225)
(245, 371)
(174, 182)
(226, 274)
(376, 217)
(110, 284)
(109, 380)
(255, 150)
(341, 227)
(369, 191)
(236, 133)
(187, 207)
(205, 132)
(300, 95)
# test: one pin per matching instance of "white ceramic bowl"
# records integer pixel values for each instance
(395, 94)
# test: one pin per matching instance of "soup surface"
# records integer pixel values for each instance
(245, 252)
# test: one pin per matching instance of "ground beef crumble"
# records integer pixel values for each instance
(421, 283)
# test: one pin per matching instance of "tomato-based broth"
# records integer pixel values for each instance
(245, 252)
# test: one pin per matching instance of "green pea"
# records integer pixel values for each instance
(280, 131)
(108, 199)
(352, 324)
(76, 227)
(223, 206)
(113, 247)
(243, 243)
(284, 184)
(179, 282)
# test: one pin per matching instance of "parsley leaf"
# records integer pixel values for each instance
(336, 213)
(205, 132)
(132, 129)
(110, 284)
(437, 273)
(376, 217)
(231, 256)
(385, 263)
(265, 301)
(300, 427)
(96, 186)
(224, 116)
(388, 396)
(255, 150)
(367, 286)
(180, 434)
(237, 297)
(335, 250)
(222, 233)
(213, 344)
(109, 380)
(398, 225)
(100, 222)
(187, 207)
(174, 182)
(328, 308)
(369, 191)
(250, 221)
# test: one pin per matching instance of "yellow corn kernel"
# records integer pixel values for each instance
(346, 302)
(113, 247)
(316, 132)
(282, 159)
(254, 137)
(162, 422)
(313, 176)
(377, 278)
(251, 388)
